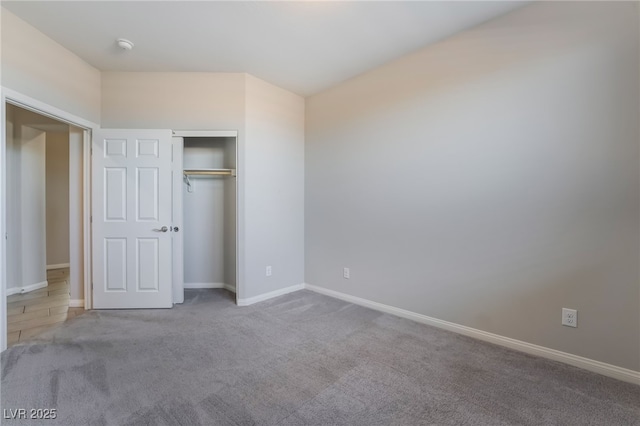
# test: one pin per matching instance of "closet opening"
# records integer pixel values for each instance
(205, 209)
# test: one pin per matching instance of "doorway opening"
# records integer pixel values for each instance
(44, 221)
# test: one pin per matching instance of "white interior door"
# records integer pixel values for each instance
(131, 219)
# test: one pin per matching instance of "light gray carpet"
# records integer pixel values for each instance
(300, 359)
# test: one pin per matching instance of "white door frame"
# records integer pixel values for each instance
(23, 101)
(239, 200)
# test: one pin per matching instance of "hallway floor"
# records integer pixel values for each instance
(32, 313)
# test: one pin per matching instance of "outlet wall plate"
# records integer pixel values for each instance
(569, 317)
(346, 273)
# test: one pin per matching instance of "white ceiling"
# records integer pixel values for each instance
(303, 46)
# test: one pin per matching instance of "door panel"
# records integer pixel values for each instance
(131, 208)
(115, 193)
(147, 194)
(115, 262)
(147, 263)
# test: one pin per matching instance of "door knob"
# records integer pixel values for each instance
(163, 229)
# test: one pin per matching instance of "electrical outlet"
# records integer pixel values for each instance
(346, 274)
(569, 317)
(269, 271)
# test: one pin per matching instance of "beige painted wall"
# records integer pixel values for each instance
(270, 123)
(490, 180)
(36, 66)
(57, 197)
(177, 100)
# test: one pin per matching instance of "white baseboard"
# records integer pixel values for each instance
(27, 288)
(605, 369)
(229, 287)
(59, 266)
(204, 285)
(266, 296)
(76, 303)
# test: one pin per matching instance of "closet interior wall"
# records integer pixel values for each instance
(209, 214)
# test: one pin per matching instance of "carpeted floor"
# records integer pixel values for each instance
(300, 359)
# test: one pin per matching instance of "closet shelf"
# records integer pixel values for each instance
(205, 173)
(209, 172)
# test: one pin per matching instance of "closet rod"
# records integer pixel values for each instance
(205, 172)
(212, 172)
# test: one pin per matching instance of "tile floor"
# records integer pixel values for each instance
(32, 313)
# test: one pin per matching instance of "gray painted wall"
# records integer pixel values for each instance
(490, 180)
(32, 218)
(274, 171)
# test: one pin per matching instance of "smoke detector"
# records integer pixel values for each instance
(124, 44)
